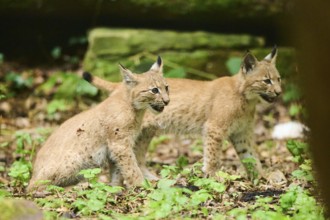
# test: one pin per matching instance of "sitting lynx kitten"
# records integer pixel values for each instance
(222, 109)
(103, 135)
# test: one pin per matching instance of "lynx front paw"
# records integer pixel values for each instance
(134, 180)
(209, 172)
(148, 175)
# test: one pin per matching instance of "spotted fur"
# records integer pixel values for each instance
(104, 135)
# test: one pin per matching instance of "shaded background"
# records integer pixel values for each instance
(30, 29)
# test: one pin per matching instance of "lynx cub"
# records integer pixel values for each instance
(105, 134)
(222, 109)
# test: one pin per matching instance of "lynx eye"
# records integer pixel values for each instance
(155, 90)
(166, 89)
(267, 81)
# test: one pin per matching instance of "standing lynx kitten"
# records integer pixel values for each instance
(222, 109)
(103, 135)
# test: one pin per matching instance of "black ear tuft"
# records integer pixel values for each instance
(122, 66)
(159, 60)
(274, 50)
(87, 76)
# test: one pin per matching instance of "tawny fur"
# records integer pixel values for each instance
(222, 109)
(104, 135)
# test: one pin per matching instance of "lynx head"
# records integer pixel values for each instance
(261, 78)
(149, 89)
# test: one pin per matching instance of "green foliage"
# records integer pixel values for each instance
(95, 199)
(262, 203)
(298, 203)
(209, 184)
(53, 203)
(71, 86)
(25, 145)
(250, 165)
(169, 200)
(227, 177)
(292, 93)
(90, 174)
(22, 141)
(296, 109)
(157, 141)
(2, 96)
(181, 162)
(176, 73)
(166, 200)
(233, 64)
(270, 215)
(192, 172)
(58, 105)
(2, 58)
(17, 81)
(304, 172)
(52, 188)
(20, 170)
(56, 52)
(169, 171)
(3, 193)
(238, 213)
(297, 149)
(77, 40)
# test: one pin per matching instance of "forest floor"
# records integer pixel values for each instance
(181, 193)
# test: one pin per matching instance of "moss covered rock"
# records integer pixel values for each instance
(19, 209)
(197, 55)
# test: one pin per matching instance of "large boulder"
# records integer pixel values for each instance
(198, 55)
(198, 52)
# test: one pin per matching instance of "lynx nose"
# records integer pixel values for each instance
(166, 101)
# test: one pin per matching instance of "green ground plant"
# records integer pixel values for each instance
(181, 193)
(67, 93)
(25, 149)
(300, 153)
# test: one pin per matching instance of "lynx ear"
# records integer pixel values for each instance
(158, 65)
(272, 56)
(249, 63)
(128, 76)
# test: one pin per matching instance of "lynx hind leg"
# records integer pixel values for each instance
(125, 160)
(63, 174)
(141, 148)
(212, 138)
(244, 147)
(115, 175)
